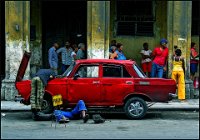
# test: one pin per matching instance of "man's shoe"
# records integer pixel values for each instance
(98, 119)
(85, 119)
(64, 120)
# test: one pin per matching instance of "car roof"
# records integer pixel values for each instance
(110, 61)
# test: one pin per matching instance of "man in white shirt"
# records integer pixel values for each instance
(146, 59)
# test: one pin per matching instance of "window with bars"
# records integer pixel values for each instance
(135, 18)
(195, 18)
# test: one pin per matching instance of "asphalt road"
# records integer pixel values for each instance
(156, 125)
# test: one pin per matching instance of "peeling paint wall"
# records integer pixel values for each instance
(98, 29)
(179, 31)
(17, 23)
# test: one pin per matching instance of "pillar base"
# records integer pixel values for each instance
(8, 90)
(189, 88)
(196, 93)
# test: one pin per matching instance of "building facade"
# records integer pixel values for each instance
(35, 25)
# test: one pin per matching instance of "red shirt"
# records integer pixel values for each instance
(194, 53)
(160, 56)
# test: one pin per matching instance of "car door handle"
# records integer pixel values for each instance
(96, 82)
(129, 82)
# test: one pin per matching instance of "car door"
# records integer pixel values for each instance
(85, 85)
(116, 84)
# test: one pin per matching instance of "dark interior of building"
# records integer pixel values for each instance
(63, 21)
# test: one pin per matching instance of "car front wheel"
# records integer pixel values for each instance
(135, 108)
(47, 105)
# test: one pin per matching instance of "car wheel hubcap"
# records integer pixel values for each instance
(135, 108)
(44, 104)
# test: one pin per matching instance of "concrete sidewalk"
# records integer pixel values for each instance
(189, 104)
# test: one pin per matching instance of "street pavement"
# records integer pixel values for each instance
(155, 125)
(176, 105)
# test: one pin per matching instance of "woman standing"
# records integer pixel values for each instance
(194, 58)
(178, 73)
(120, 54)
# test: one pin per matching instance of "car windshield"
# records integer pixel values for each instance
(139, 71)
(68, 71)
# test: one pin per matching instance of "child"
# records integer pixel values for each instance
(146, 59)
(178, 73)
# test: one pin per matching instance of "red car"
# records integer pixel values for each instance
(102, 83)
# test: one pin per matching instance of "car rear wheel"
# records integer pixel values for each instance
(135, 108)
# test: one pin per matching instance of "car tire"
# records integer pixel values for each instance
(47, 105)
(135, 108)
(34, 116)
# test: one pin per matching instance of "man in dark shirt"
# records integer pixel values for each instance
(38, 84)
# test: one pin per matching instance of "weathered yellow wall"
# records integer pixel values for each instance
(133, 44)
(16, 14)
(98, 29)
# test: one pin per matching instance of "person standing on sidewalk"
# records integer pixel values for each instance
(66, 56)
(112, 53)
(194, 59)
(38, 83)
(119, 52)
(81, 51)
(146, 59)
(159, 57)
(178, 73)
(73, 54)
(53, 57)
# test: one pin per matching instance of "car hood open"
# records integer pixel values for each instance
(23, 66)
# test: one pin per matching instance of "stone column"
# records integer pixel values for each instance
(179, 33)
(17, 30)
(36, 40)
(98, 26)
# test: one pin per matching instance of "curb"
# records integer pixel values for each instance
(174, 109)
(172, 106)
(150, 109)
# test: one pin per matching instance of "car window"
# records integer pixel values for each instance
(68, 71)
(139, 71)
(115, 71)
(88, 71)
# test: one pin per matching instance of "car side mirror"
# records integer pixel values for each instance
(76, 76)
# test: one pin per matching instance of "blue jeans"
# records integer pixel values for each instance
(193, 68)
(157, 70)
(69, 114)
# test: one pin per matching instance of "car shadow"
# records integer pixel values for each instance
(123, 116)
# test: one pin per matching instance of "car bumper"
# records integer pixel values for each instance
(172, 96)
(18, 98)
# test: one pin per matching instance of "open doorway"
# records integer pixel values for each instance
(63, 21)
